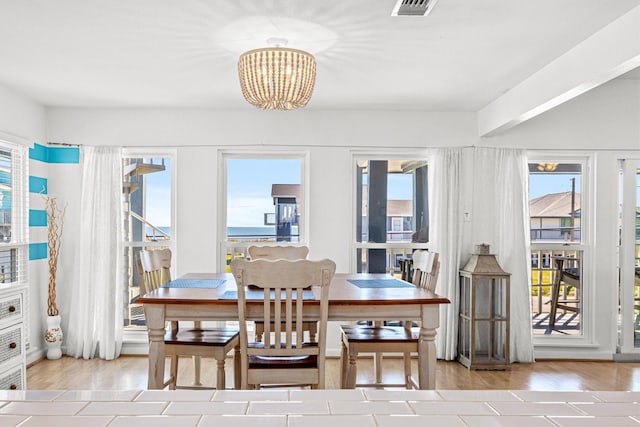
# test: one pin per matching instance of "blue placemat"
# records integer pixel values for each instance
(195, 283)
(380, 283)
(306, 295)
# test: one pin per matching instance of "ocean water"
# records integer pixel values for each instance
(235, 231)
(251, 231)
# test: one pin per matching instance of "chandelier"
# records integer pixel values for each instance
(547, 167)
(277, 77)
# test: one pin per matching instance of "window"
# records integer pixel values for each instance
(392, 213)
(557, 249)
(13, 212)
(14, 245)
(264, 201)
(148, 207)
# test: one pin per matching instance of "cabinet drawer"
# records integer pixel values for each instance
(11, 344)
(10, 309)
(12, 379)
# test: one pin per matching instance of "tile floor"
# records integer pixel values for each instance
(311, 408)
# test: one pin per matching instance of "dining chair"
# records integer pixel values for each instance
(284, 358)
(281, 252)
(197, 342)
(385, 338)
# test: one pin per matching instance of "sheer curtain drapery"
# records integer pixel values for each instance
(496, 182)
(446, 236)
(96, 312)
(505, 172)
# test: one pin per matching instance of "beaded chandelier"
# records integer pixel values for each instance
(277, 77)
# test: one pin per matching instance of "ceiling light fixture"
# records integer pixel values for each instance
(547, 167)
(277, 77)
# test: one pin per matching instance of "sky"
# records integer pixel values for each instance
(541, 184)
(158, 188)
(249, 188)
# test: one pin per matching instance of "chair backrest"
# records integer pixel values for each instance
(426, 266)
(156, 266)
(284, 300)
(278, 252)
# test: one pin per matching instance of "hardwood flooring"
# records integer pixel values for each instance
(130, 372)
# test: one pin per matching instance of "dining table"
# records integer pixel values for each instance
(352, 297)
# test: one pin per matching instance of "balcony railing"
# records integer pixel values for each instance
(555, 234)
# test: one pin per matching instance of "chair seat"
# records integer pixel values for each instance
(373, 334)
(283, 362)
(217, 337)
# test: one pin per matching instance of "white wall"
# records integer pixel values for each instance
(606, 118)
(603, 119)
(201, 127)
(21, 117)
(329, 137)
(603, 124)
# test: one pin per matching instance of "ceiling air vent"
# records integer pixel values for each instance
(413, 7)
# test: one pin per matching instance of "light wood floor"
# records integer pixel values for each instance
(130, 373)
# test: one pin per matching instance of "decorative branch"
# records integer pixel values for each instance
(55, 225)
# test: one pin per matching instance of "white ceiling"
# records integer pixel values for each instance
(183, 53)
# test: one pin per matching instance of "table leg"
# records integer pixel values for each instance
(430, 316)
(154, 315)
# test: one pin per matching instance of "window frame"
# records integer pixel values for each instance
(249, 154)
(585, 245)
(134, 333)
(19, 220)
(396, 154)
(628, 167)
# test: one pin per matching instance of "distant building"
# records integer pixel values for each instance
(287, 217)
(555, 217)
(399, 218)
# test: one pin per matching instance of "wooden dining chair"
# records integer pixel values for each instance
(384, 338)
(281, 252)
(284, 358)
(197, 342)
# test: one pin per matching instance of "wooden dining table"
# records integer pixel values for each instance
(385, 298)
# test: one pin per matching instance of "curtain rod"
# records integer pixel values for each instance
(363, 148)
(66, 144)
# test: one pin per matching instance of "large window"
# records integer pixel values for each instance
(264, 201)
(556, 206)
(13, 211)
(12, 214)
(392, 213)
(14, 249)
(148, 218)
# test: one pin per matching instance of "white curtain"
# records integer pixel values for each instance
(505, 172)
(499, 216)
(96, 314)
(445, 237)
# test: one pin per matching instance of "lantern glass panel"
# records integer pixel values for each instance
(499, 350)
(465, 297)
(482, 289)
(464, 340)
(482, 341)
(499, 298)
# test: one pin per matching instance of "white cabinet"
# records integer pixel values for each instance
(12, 340)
